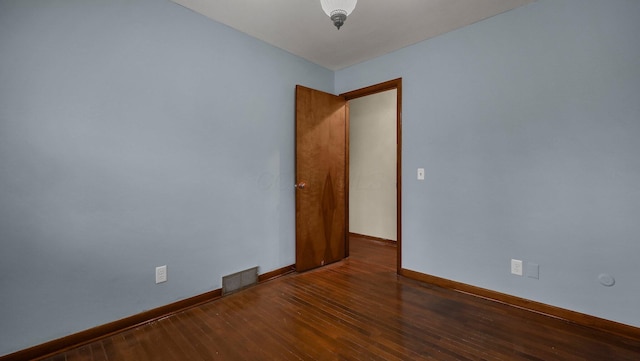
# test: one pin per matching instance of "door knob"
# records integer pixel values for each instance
(300, 185)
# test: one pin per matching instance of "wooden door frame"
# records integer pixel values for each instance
(370, 90)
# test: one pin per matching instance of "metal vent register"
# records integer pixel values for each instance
(240, 280)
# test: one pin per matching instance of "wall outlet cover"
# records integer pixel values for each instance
(516, 267)
(161, 274)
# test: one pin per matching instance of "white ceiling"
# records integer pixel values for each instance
(375, 27)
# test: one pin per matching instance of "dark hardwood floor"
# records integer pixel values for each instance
(357, 309)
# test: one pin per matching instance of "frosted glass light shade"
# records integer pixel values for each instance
(345, 6)
(338, 10)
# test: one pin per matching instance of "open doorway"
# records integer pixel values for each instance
(374, 168)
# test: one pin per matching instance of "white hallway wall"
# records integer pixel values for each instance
(372, 163)
(528, 125)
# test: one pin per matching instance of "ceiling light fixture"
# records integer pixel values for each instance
(338, 10)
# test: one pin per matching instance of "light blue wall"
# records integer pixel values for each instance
(528, 126)
(135, 134)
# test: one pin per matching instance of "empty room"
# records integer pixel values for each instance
(177, 180)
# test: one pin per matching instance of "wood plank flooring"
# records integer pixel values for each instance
(357, 309)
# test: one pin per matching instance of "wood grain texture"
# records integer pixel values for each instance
(107, 329)
(371, 238)
(85, 337)
(276, 273)
(320, 165)
(357, 309)
(533, 306)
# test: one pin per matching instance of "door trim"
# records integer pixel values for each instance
(370, 90)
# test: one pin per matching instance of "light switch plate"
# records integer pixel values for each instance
(420, 173)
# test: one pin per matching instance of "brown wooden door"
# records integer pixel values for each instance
(320, 178)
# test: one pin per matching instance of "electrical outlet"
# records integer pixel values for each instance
(161, 274)
(516, 267)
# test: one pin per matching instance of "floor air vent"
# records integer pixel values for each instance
(239, 280)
